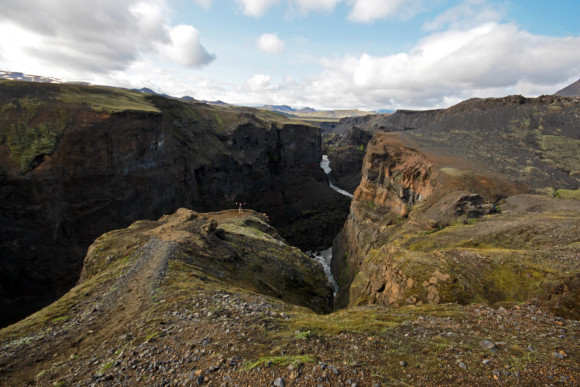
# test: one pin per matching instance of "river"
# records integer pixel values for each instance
(325, 165)
(325, 256)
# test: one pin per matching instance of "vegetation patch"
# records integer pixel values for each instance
(354, 320)
(106, 99)
(568, 194)
(562, 151)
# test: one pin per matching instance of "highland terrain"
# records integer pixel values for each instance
(458, 262)
(77, 161)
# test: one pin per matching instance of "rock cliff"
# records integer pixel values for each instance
(439, 215)
(77, 161)
(345, 143)
(221, 299)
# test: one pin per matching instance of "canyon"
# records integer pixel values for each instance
(77, 161)
(457, 259)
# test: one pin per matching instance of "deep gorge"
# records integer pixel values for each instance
(106, 168)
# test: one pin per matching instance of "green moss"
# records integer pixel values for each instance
(354, 320)
(357, 287)
(106, 99)
(27, 143)
(568, 194)
(370, 205)
(510, 282)
(105, 366)
(220, 123)
(303, 335)
(561, 151)
(59, 319)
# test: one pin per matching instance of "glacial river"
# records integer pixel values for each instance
(325, 256)
(325, 165)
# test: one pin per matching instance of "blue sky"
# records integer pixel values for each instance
(326, 54)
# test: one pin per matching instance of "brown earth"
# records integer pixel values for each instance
(150, 311)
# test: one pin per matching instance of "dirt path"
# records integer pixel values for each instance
(132, 293)
(128, 297)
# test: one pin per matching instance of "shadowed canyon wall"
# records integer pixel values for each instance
(77, 161)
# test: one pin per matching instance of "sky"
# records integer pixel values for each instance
(324, 54)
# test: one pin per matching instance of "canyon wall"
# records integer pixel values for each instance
(443, 213)
(77, 161)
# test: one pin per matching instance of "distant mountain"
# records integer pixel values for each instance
(279, 108)
(15, 76)
(572, 90)
(214, 103)
(313, 114)
(147, 90)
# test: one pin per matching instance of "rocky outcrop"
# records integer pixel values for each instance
(238, 249)
(429, 222)
(399, 121)
(77, 161)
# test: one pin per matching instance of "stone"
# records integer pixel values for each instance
(488, 345)
(279, 382)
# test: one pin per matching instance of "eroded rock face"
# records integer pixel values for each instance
(346, 142)
(78, 161)
(430, 225)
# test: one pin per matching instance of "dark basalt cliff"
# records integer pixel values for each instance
(439, 215)
(77, 161)
(346, 153)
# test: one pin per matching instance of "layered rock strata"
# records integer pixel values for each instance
(439, 218)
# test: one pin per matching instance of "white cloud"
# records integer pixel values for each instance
(491, 59)
(185, 47)
(366, 11)
(256, 8)
(258, 83)
(270, 43)
(204, 3)
(306, 6)
(467, 13)
(363, 11)
(442, 69)
(68, 38)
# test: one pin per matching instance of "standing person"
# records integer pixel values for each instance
(240, 206)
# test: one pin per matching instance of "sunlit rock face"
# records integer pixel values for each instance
(430, 220)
